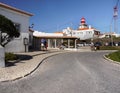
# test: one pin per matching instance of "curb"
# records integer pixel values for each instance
(116, 62)
(29, 73)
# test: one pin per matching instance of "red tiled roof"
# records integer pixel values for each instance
(58, 32)
(69, 37)
(85, 29)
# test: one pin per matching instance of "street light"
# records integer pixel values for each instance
(111, 36)
(32, 25)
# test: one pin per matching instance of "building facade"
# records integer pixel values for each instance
(83, 32)
(68, 36)
(54, 40)
(20, 19)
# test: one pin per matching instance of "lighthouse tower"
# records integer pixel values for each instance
(82, 20)
(83, 23)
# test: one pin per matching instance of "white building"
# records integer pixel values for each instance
(68, 36)
(21, 21)
(43, 34)
(108, 34)
(83, 32)
(54, 40)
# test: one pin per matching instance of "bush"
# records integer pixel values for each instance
(10, 57)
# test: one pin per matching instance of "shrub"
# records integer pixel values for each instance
(10, 57)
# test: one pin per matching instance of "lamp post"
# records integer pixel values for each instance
(32, 25)
(111, 36)
(71, 32)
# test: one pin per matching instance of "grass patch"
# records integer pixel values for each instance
(109, 47)
(114, 56)
(10, 57)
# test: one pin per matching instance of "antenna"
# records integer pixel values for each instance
(115, 16)
(117, 2)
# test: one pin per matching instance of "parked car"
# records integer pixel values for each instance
(80, 45)
(111, 43)
(118, 43)
(97, 44)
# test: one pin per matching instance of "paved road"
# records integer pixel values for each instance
(85, 72)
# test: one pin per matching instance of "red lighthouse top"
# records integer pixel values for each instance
(82, 20)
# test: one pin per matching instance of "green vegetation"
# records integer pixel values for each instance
(114, 56)
(107, 39)
(109, 47)
(7, 26)
(10, 57)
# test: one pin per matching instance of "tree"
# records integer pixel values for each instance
(8, 30)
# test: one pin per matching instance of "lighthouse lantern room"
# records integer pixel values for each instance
(83, 23)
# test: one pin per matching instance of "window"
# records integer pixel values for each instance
(30, 39)
(80, 32)
(74, 33)
(17, 25)
(88, 32)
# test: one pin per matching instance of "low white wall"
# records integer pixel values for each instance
(2, 57)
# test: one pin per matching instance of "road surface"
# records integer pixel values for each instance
(75, 72)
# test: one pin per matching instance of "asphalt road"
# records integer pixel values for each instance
(80, 72)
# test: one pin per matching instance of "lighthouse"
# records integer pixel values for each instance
(83, 24)
(82, 20)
